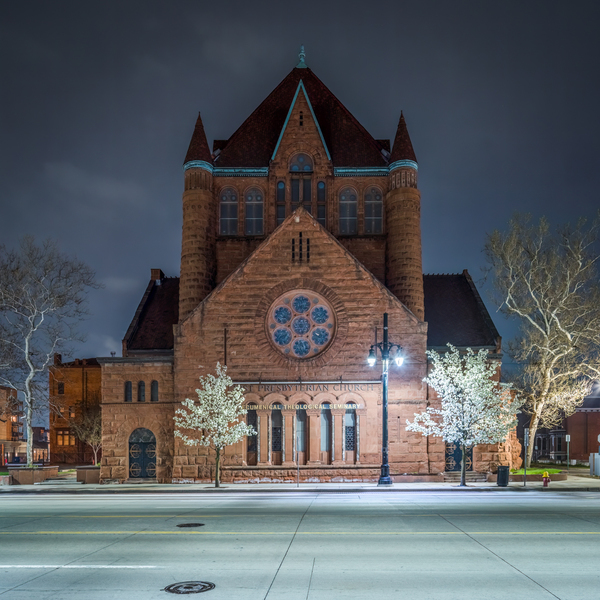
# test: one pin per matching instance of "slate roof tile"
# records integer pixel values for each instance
(349, 143)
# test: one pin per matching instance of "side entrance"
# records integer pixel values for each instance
(142, 454)
(454, 458)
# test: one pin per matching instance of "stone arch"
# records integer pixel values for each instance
(324, 398)
(274, 398)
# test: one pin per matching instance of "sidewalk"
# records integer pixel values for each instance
(574, 483)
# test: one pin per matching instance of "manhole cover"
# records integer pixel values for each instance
(191, 525)
(190, 587)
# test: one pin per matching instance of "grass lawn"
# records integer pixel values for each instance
(536, 471)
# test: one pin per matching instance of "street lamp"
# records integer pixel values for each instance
(385, 348)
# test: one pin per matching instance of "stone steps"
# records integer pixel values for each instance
(61, 481)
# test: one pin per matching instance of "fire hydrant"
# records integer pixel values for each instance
(545, 479)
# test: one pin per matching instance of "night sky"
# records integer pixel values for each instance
(98, 102)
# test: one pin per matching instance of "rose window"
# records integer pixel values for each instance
(301, 324)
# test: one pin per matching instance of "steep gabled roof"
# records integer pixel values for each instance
(348, 141)
(456, 314)
(402, 148)
(152, 326)
(453, 310)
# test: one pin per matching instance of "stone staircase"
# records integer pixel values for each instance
(471, 477)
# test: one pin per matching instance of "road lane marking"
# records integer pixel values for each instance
(79, 567)
(355, 533)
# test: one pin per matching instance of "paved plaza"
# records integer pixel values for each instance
(315, 545)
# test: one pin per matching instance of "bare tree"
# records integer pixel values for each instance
(43, 299)
(548, 280)
(87, 427)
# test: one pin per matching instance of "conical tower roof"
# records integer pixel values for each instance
(198, 148)
(402, 148)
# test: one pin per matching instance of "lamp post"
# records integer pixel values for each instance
(385, 348)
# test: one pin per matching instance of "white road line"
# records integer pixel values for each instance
(79, 567)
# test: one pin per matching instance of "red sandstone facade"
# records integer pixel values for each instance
(301, 205)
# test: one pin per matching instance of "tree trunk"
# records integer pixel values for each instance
(533, 427)
(463, 466)
(218, 468)
(29, 440)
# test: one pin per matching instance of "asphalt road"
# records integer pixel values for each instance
(303, 546)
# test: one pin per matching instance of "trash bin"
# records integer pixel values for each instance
(503, 473)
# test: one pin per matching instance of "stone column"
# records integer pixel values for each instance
(288, 442)
(264, 437)
(361, 419)
(313, 416)
(337, 436)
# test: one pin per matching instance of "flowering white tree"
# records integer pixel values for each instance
(475, 409)
(213, 419)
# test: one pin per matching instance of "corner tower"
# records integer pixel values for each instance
(404, 270)
(198, 253)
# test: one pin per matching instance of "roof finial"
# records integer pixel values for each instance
(301, 56)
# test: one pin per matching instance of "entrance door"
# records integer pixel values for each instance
(142, 454)
(454, 457)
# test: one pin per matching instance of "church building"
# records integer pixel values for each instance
(299, 232)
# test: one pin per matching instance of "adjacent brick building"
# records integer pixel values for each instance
(74, 388)
(12, 445)
(299, 232)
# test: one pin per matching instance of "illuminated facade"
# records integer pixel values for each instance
(299, 232)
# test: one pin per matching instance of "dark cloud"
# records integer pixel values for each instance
(98, 102)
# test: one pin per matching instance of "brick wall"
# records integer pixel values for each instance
(81, 387)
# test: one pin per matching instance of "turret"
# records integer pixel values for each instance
(404, 270)
(198, 252)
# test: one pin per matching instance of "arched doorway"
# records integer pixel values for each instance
(142, 454)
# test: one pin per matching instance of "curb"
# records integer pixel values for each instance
(110, 490)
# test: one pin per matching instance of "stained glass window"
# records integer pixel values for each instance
(301, 324)
(301, 163)
(348, 212)
(276, 427)
(254, 212)
(373, 211)
(280, 202)
(228, 223)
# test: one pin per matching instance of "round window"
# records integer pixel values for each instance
(301, 324)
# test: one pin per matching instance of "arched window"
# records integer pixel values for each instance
(254, 212)
(228, 212)
(373, 210)
(321, 203)
(141, 391)
(301, 163)
(280, 202)
(276, 427)
(301, 168)
(127, 391)
(252, 420)
(325, 428)
(350, 429)
(154, 391)
(348, 212)
(300, 430)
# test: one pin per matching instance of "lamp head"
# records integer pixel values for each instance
(399, 360)
(372, 359)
